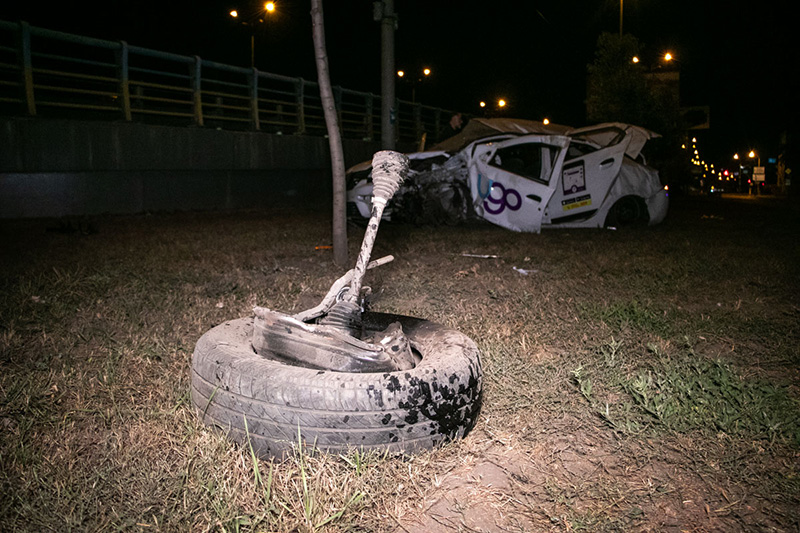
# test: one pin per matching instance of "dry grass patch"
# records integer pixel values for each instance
(643, 380)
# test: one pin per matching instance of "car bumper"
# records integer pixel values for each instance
(657, 206)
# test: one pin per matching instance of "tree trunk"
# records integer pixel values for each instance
(334, 137)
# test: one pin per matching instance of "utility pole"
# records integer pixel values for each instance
(383, 11)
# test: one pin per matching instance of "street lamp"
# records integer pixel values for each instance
(740, 178)
(425, 73)
(651, 64)
(269, 8)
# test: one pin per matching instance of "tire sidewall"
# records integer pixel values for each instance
(404, 411)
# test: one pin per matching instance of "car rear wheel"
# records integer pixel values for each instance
(627, 211)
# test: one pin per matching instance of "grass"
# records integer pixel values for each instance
(629, 373)
(684, 391)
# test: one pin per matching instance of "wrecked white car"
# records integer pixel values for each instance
(523, 175)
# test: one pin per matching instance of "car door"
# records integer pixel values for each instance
(512, 181)
(585, 182)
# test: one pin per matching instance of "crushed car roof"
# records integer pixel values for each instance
(601, 135)
(477, 128)
(610, 133)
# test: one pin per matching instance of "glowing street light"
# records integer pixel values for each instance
(482, 104)
(269, 7)
(424, 73)
(501, 103)
(546, 121)
(413, 79)
(650, 63)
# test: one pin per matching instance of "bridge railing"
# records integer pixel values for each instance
(45, 73)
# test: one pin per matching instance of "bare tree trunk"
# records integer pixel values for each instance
(334, 137)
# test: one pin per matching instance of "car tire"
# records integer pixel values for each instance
(626, 212)
(275, 405)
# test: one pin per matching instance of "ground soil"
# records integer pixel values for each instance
(98, 320)
(571, 473)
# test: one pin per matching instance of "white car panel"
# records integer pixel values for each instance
(585, 183)
(523, 181)
(511, 182)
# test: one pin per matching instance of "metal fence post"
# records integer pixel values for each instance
(254, 99)
(368, 103)
(300, 99)
(26, 61)
(418, 128)
(337, 102)
(395, 117)
(197, 97)
(124, 81)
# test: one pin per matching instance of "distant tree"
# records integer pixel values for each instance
(616, 88)
(619, 90)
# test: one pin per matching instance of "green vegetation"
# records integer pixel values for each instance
(689, 392)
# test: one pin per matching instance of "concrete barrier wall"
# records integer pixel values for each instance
(64, 167)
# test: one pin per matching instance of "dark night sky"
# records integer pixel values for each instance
(741, 58)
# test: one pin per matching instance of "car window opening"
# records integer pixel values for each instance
(521, 159)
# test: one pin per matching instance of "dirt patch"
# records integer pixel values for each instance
(589, 481)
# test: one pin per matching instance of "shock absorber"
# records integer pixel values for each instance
(389, 169)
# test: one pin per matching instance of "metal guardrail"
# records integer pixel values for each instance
(45, 73)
